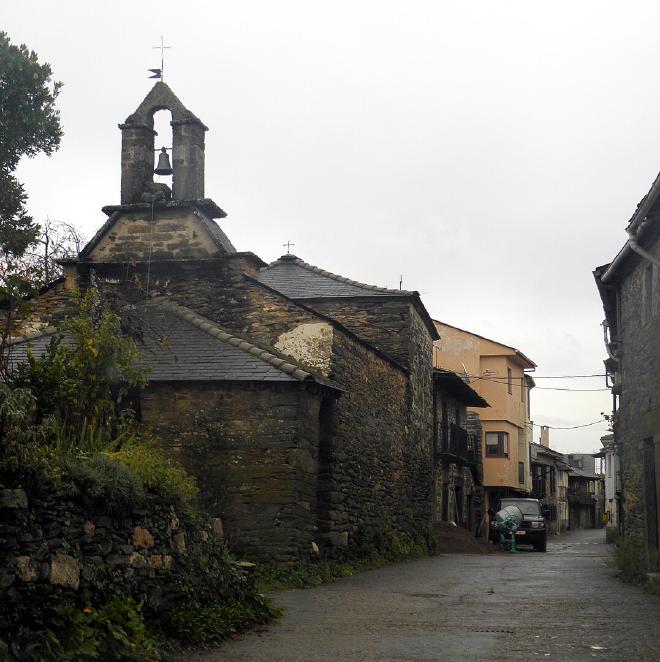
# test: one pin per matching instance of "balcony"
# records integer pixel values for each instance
(581, 496)
(455, 444)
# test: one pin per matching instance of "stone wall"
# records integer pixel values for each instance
(383, 321)
(365, 484)
(173, 234)
(638, 420)
(61, 548)
(420, 411)
(254, 450)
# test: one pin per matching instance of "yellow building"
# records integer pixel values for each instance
(498, 373)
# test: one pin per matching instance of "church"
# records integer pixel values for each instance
(301, 400)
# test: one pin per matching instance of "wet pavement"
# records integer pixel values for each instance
(565, 604)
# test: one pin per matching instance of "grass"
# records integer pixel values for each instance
(307, 574)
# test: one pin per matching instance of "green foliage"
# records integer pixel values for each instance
(634, 560)
(157, 473)
(384, 549)
(116, 631)
(194, 624)
(30, 124)
(86, 373)
(107, 483)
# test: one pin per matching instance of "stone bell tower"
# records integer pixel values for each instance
(154, 222)
(137, 149)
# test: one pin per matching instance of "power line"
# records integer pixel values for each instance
(504, 381)
(570, 427)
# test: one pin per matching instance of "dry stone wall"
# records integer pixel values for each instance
(56, 548)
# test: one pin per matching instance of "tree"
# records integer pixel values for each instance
(29, 125)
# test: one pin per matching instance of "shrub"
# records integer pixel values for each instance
(634, 560)
(105, 481)
(157, 473)
(193, 624)
(381, 549)
(116, 631)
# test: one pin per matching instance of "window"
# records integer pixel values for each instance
(509, 380)
(521, 472)
(553, 481)
(497, 444)
(648, 293)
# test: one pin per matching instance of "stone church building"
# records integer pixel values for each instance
(301, 400)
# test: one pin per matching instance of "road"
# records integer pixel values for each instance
(565, 604)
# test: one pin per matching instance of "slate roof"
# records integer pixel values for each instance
(299, 280)
(179, 345)
(455, 386)
(581, 473)
(37, 342)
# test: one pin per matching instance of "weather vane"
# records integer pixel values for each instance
(288, 246)
(159, 73)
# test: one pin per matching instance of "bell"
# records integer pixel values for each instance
(164, 167)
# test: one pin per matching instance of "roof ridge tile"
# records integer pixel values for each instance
(328, 274)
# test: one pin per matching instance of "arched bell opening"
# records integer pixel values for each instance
(160, 121)
(163, 141)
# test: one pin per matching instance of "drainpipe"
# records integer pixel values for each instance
(632, 242)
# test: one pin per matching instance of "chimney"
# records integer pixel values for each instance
(544, 440)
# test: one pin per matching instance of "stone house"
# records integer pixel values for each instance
(457, 450)
(630, 291)
(301, 400)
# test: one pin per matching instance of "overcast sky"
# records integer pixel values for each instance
(489, 152)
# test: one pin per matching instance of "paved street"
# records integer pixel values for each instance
(562, 605)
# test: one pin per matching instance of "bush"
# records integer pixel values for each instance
(193, 624)
(116, 631)
(634, 560)
(105, 481)
(157, 473)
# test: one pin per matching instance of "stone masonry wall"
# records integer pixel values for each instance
(366, 485)
(639, 413)
(254, 450)
(420, 412)
(173, 234)
(382, 321)
(57, 547)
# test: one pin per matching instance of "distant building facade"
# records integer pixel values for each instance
(550, 484)
(586, 492)
(609, 455)
(498, 373)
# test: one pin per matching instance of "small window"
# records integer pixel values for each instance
(648, 293)
(509, 380)
(521, 472)
(497, 444)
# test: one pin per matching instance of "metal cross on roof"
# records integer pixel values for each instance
(288, 246)
(159, 73)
